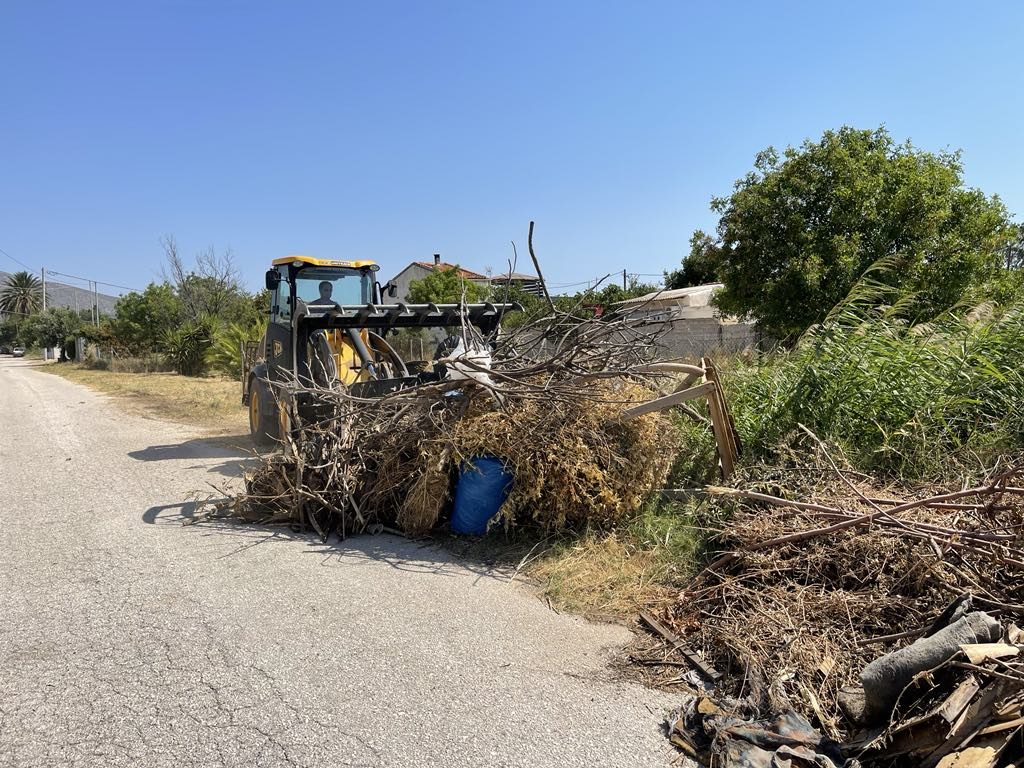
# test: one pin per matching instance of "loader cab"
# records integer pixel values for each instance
(304, 293)
(302, 286)
(328, 327)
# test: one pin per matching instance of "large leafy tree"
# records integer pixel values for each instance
(21, 294)
(801, 228)
(444, 286)
(698, 267)
(8, 332)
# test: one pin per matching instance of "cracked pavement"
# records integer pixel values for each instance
(127, 639)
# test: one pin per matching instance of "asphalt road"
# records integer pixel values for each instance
(127, 639)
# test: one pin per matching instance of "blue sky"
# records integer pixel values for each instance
(393, 130)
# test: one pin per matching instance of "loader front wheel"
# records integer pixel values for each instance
(262, 414)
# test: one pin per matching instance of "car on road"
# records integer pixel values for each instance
(18, 352)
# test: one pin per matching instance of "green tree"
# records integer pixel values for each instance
(801, 228)
(21, 295)
(698, 267)
(445, 286)
(142, 318)
(8, 331)
(53, 328)
(613, 293)
(254, 309)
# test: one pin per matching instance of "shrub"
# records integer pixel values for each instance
(903, 399)
(224, 354)
(187, 346)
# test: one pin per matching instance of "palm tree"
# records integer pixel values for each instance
(21, 295)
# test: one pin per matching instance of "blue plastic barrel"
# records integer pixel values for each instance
(483, 486)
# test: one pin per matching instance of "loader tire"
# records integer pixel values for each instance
(262, 414)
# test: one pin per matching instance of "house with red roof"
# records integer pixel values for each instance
(418, 270)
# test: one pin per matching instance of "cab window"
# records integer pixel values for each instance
(320, 289)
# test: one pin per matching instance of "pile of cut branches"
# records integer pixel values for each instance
(815, 579)
(550, 402)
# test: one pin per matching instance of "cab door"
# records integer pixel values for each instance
(279, 333)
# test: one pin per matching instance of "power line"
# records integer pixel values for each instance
(17, 261)
(591, 281)
(73, 277)
(98, 282)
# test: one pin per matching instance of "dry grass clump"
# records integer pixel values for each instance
(427, 495)
(604, 577)
(212, 403)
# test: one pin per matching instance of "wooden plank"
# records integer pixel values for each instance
(711, 374)
(678, 644)
(976, 653)
(999, 727)
(726, 454)
(952, 707)
(974, 717)
(668, 401)
(688, 381)
(693, 370)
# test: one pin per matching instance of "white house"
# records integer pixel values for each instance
(693, 303)
(692, 326)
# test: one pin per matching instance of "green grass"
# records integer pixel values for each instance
(922, 401)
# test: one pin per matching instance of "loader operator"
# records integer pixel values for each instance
(326, 289)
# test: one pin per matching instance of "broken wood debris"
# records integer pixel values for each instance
(678, 645)
(945, 716)
(833, 598)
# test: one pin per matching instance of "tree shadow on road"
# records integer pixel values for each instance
(235, 450)
(494, 556)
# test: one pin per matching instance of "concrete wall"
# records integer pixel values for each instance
(699, 337)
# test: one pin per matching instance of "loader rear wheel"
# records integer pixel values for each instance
(262, 414)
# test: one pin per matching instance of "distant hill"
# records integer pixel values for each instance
(60, 295)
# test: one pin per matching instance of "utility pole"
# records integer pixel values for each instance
(624, 280)
(44, 288)
(96, 301)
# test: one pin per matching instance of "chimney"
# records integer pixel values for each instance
(437, 259)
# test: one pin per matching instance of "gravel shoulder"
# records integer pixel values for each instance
(129, 639)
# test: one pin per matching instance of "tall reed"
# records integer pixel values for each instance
(910, 399)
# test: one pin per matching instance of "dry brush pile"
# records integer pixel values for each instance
(820, 572)
(549, 403)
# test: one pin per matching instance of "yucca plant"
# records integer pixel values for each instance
(224, 354)
(187, 345)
